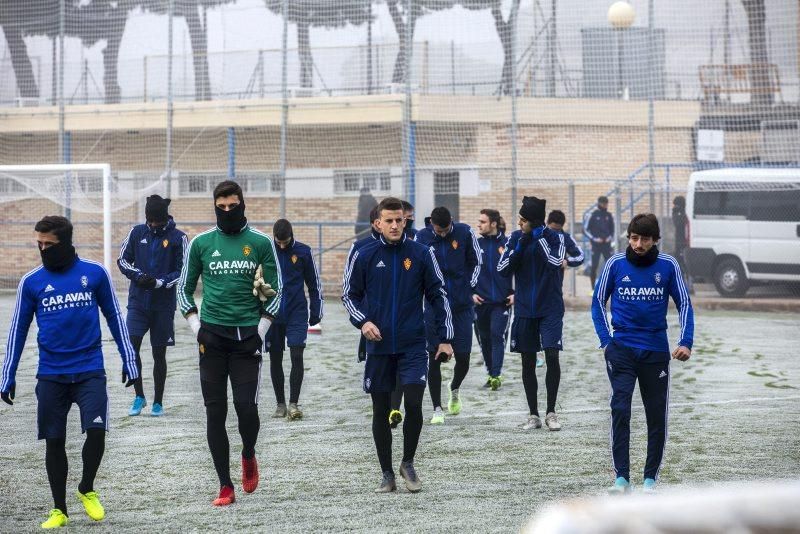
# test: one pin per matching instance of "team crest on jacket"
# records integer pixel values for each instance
(294, 258)
(246, 250)
(657, 276)
(454, 244)
(165, 243)
(407, 263)
(84, 281)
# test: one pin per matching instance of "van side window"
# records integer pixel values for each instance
(721, 203)
(775, 205)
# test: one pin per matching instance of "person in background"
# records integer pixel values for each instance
(599, 229)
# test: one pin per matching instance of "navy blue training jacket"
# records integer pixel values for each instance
(298, 268)
(386, 283)
(492, 286)
(536, 268)
(600, 224)
(459, 258)
(158, 253)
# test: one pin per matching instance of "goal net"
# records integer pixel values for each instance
(100, 205)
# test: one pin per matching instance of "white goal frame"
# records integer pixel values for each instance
(104, 168)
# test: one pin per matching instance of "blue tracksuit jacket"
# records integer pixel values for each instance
(639, 303)
(386, 283)
(298, 268)
(536, 268)
(158, 253)
(492, 286)
(459, 258)
(66, 305)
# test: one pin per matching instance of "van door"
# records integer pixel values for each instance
(775, 232)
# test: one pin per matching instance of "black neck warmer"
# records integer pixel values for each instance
(58, 257)
(642, 261)
(233, 221)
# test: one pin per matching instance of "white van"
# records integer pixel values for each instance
(744, 226)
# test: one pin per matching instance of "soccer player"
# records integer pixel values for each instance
(408, 215)
(680, 223)
(639, 283)
(534, 256)
(599, 228)
(374, 235)
(459, 256)
(232, 327)
(295, 316)
(385, 284)
(65, 294)
(151, 257)
(493, 295)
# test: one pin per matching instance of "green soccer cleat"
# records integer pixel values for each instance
(495, 382)
(620, 487)
(454, 403)
(91, 503)
(57, 519)
(488, 383)
(438, 416)
(395, 418)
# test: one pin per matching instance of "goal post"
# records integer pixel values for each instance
(100, 204)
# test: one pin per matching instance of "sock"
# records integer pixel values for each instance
(218, 444)
(136, 341)
(381, 431)
(412, 424)
(92, 454)
(276, 372)
(249, 425)
(552, 378)
(159, 373)
(296, 374)
(529, 380)
(461, 368)
(55, 461)
(435, 380)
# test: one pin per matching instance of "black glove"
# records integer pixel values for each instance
(146, 282)
(8, 396)
(313, 321)
(130, 381)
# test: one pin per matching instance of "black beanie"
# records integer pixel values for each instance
(533, 210)
(156, 209)
(441, 217)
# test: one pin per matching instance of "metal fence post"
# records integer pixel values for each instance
(571, 203)
(170, 110)
(651, 150)
(408, 186)
(284, 105)
(513, 132)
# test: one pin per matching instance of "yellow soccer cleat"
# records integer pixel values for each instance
(57, 519)
(91, 503)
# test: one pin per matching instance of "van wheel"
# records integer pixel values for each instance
(729, 278)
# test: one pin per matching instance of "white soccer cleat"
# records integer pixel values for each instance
(533, 422)
(551, 420)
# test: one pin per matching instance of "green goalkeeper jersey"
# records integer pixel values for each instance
(228, 264)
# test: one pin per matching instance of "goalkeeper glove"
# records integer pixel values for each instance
(194, 323)
(8, 396)
(262, 289)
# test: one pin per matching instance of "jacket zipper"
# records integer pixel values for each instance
(394, 302)
(491, 262)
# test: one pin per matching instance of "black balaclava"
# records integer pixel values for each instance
(533, 210)
(58, 257)
(155, 210)
(233, 221)
(647, 260)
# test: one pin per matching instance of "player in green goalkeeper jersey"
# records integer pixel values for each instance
(230, 329)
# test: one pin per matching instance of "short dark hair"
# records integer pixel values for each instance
(407, 206)
(441, 217)
(373, 214)
(282, 229)
(645, 224)
(679, 201)
(389, 204)
(228, 188)
(602, 199)
(57, 225)
(556, 216)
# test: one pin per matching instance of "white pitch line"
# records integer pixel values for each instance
(301, 426)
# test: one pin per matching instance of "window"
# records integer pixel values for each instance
(445, 182)
(345, 182)
(8, 185)
(775, 205)
(198, 183)
(734, 204)
(259, 183)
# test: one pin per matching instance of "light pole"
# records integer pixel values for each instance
(621, 16)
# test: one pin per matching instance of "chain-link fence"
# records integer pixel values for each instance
(308, 104)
